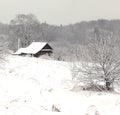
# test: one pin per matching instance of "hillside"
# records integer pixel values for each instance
(61, 35)
(65, 39)
(31, 86)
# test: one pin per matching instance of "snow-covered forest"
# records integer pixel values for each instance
(65, 39)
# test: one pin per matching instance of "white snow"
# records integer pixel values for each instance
(31, 86)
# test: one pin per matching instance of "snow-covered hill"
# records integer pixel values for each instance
(35, 86)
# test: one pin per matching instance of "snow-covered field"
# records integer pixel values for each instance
(31, 86)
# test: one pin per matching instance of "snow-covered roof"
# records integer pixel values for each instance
(19, 51)
(33, 48)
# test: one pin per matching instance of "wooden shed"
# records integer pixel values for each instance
(35, 49)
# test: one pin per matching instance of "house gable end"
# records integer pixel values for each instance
(47, 47)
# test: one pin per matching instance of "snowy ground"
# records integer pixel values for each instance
(31, 86)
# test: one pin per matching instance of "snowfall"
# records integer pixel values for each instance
(37, 86)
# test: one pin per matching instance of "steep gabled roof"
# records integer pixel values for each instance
(32, 48)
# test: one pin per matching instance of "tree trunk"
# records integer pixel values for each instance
(108, 84)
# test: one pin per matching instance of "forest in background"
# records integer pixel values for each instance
(65, 39)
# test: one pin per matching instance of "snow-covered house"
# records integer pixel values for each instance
(35, 49)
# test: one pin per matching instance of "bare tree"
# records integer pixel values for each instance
(3, 49)
(102, 60)
(25, 27)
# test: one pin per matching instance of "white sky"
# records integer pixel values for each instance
(61, 11)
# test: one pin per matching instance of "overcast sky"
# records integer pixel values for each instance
(61, 11)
